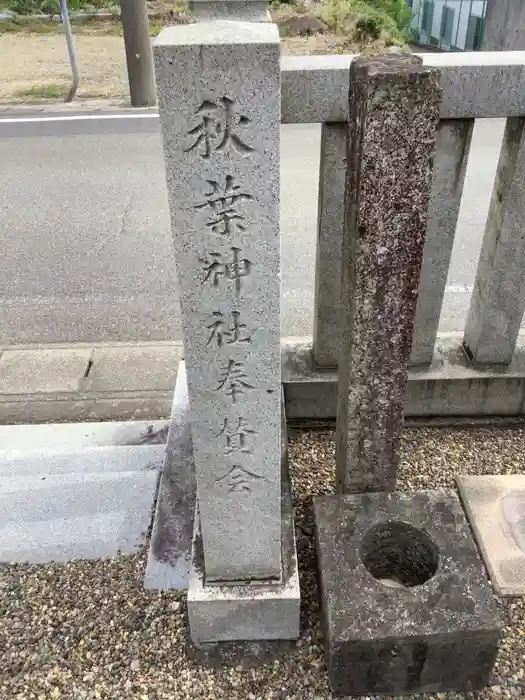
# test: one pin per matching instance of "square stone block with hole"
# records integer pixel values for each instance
(406, 603)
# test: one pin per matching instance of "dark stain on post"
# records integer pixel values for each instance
(394, 117)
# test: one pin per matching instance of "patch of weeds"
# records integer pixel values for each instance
(48, 91)
(155, 28)
(365, 22)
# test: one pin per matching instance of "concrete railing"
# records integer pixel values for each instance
(480, 372)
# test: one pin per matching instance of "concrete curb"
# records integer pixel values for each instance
(87, 382)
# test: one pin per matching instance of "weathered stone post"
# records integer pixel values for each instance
(219, 99)
(405, 601)
(394, 112)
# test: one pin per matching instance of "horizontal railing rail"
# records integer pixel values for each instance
(475, 84)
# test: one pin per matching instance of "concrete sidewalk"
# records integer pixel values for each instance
(85, 382)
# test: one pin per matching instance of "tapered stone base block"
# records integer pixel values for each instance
(250, 610)
(406, 604)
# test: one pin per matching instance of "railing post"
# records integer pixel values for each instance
(498, 298)
(453, 145)
(504, 25)
(327, 324)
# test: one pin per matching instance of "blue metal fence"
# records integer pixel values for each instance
(452, 25)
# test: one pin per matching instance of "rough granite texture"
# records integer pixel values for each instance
(453, 146)
(219, 102)
(410, 611)
(394, 103)
(169, 556)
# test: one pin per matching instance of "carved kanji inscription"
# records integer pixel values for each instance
(227, 331)
(224, 203)
(217, 129)
(239, 479)
(238, 436)
(234, 268)
(234, 380)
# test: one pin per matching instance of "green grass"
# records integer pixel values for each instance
(50, 91)
(364, 22)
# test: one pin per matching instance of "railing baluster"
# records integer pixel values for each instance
(453, 147)
(327, 326)
(498, 298)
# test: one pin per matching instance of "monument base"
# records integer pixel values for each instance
(406, 604)
(252, 611)
(234, 613)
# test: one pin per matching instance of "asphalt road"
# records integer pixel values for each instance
(86, 251)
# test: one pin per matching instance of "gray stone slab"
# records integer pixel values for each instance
(330, 224)
(406, 604)
(59, 517)
(129, 368)
(88, 460)
(42, 371)
(249, 611)
(495, 507)
(498, 297)
(219, 102)
(169, 556)
(394, 116)
(315, 88)
(74, 436)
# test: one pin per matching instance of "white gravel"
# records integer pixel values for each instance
(89, 631)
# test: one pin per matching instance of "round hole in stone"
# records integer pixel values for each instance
(399, 555)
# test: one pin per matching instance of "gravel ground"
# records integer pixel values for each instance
(88, 630)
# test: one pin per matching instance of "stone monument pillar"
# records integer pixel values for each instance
(219, 100)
